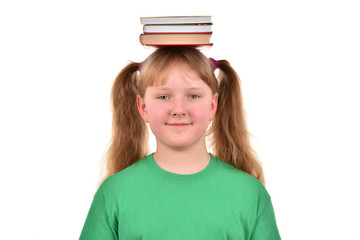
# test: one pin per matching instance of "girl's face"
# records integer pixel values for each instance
(179, 111)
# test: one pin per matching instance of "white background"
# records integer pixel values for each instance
(299, 66)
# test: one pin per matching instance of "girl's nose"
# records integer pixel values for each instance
(178, 108)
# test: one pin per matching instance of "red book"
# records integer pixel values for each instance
(164, 39)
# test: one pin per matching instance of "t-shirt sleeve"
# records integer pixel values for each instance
(265, 227)
(99, 224)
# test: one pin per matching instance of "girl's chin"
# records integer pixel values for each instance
(179, 145)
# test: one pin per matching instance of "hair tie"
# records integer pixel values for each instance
(214, 63)
(139, 67)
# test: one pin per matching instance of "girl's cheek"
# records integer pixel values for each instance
(159, 110)
(200, 108)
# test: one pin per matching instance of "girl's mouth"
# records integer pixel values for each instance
(178, 124)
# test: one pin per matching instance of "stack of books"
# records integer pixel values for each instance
(172, 31)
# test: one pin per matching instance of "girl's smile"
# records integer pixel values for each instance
(178, 124)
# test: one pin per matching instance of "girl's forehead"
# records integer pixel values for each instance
(176, 74)
(180, 75)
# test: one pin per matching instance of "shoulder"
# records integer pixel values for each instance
(229, 171)
(126, 178)
(241, 181)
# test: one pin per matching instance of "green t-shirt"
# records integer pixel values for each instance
(146, 202)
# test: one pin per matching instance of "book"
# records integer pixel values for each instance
(176, 30)
(179, 28)
(164, 39)
(175, 20)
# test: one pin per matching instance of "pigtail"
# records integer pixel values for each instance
(230, 137)
(129, 141)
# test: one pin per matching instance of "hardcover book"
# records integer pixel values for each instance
(195, 39)
(175, 19)
(179, 28)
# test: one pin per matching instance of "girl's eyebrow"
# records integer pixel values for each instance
(190, 88)
(194, 88)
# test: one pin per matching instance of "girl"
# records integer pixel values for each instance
(180, 191)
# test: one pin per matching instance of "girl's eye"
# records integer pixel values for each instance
(163, 97)
(193, 96)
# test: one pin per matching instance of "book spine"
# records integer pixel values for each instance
(180, 44)
(180, 28)
(174, 40)
(179, 33)
(176, 20)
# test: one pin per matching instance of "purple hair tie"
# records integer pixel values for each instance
(139, 67)
(214, 63)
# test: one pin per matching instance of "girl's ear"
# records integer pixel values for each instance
(214, 105)
(142, 108)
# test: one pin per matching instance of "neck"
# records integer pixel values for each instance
(182, 161)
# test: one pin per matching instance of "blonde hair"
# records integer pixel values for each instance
(228, 134)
